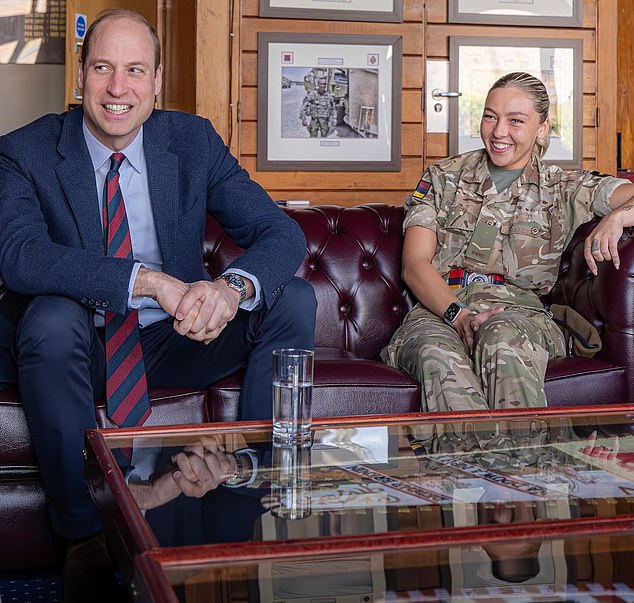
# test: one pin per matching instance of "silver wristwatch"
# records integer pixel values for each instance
(235, 281)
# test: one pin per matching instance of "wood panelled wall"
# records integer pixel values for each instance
(227, 36)
(625, 111)
(343, 188)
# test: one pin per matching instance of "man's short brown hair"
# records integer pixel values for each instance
(120, 13)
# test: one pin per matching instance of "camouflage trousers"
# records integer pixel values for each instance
(505, 370)
(319, 125)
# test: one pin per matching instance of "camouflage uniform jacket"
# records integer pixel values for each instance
(317, 105)
(535, 217)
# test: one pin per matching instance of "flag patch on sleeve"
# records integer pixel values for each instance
(421, 189)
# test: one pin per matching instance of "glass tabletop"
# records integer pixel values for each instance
(473, 477)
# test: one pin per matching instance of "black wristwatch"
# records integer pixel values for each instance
(235, 281)
(451, 313)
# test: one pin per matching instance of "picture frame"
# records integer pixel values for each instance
(329, 102)
(338, 10)
(32, 35)
(540, 13)
(477, 62)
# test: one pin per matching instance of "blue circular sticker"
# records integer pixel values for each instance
(80, 26)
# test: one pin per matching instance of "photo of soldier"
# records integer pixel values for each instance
(318, 111)
(329, 102)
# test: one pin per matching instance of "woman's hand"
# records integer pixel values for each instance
(601, 245)
(468, 323)
(601, 452)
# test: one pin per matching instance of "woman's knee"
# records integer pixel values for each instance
(503, 328)
(425, 353)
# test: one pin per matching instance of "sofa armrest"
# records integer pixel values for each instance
(606, 300)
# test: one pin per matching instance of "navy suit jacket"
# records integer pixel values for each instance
(51, 238)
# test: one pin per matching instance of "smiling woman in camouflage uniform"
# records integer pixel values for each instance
(484, 235)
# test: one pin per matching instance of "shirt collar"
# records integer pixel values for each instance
(99, 153)
(532, 170)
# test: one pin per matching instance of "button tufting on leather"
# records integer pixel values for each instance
(366, 264)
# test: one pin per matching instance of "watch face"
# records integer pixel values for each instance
(452, 312)
(236, 282)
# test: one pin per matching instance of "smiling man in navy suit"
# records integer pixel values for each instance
(193, 331)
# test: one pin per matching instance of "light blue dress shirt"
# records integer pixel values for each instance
(145, 247)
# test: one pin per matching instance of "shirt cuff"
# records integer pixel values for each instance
(134, 301)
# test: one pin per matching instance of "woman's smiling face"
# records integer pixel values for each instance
(510, 126)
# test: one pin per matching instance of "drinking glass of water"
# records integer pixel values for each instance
(292, 395)
(291, 485)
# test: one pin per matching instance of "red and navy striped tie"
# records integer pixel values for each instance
(126, 386)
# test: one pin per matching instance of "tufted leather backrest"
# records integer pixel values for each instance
(354, 265)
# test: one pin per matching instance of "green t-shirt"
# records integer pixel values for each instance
(503, 178)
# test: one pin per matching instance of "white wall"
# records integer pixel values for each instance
(28, 92)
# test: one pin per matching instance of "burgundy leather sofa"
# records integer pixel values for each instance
(353, 262)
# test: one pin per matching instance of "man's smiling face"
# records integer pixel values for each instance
(119, 81)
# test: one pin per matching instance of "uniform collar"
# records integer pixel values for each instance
(531, 171)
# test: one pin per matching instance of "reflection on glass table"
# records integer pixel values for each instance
(577, 569)
(387, 478)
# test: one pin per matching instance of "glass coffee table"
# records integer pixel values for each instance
(505, 500)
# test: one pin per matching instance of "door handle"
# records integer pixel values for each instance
(437, 94)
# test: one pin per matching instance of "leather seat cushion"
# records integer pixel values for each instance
(342, 385)
(601, 382)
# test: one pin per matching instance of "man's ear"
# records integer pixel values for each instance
(158, 80)
(80, 74)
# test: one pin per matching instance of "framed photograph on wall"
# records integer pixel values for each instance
(477, 62)
(341, 10)
(32, 32)
(329, 102)
(541, 13)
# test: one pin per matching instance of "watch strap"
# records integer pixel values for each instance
(235, 282)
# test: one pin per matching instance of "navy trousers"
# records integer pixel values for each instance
(61, 369)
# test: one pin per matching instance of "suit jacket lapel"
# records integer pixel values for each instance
(77, 177)
(162, 167)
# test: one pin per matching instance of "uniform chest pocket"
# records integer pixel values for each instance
(460, 218)
(531, 224)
